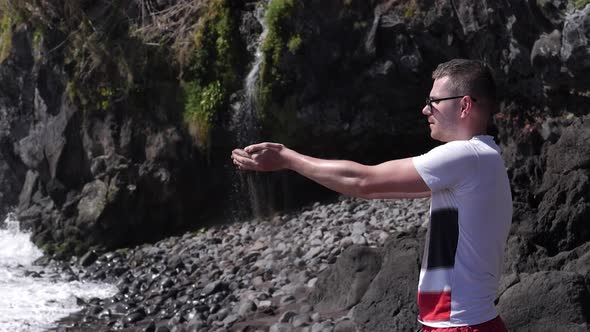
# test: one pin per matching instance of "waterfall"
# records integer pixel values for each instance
(246, 127)
(244, 120)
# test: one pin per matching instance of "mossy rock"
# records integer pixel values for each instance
(6, 27)
(580, 4)
(215, 71)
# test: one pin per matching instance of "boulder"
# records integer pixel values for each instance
(546, 301)
(564, 195)
(575, 49)
(390, 302)
(343, 285)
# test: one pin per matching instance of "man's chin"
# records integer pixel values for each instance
(436, 137)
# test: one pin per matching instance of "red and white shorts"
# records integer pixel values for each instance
(494, 325)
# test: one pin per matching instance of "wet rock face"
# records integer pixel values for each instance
(360, 78)
(108, 178)
(364, 69)
(15, 114)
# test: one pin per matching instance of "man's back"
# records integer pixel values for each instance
(471, 211)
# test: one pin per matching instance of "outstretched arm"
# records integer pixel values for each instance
(392, 179)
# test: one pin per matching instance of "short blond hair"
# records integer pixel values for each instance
(469, 77)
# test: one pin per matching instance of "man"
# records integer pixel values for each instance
(471, 203)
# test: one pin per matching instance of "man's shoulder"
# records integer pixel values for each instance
(454, 148)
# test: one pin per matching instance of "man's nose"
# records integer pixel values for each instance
(426, 110)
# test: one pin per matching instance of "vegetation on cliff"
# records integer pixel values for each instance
(276, 103)
(5, 34)
(121, 55)
(127, 55)
(579, 4)
(214, 71)
(10, 16)
(282, 35)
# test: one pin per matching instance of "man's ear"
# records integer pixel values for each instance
(466, 104)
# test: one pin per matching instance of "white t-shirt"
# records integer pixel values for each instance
(470, 216)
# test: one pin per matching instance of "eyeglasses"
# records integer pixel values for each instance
(429, 100)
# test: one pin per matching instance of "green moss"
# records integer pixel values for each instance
(282, 34)
(6, 24)
(294, 43)
(68, 248)
(95, 54)
(12, 13)
(209, 100)
(99, 98)
(409, 12)
(48, 249)
(214, 71)
(360, 25)
(105, 93)
(123, 251)
(411, 9)
(277, 20)
(37, 37)
(580, 4)
(72, 91)
(201, 105)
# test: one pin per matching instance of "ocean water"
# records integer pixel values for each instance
(33, 298)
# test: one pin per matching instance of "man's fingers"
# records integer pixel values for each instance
(252, 157)
(240, 152)
(241, 159)
(254, 148)
(261, 146)
(244, 162)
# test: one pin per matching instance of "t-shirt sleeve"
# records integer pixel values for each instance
(449, 166)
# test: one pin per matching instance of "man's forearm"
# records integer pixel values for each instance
(342, 176)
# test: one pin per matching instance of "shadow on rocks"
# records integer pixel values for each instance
(378, 284)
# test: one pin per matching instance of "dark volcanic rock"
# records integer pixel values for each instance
(355, 86)
(562, 199)
(108, 178)
(562, 303)
(85, 177)
(390, 302)
(344, 284)
(15, 115)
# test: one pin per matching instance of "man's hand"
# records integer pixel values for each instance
(262, 157)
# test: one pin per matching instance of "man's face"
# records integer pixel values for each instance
(445, 115)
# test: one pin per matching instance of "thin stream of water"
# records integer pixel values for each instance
(246, 128)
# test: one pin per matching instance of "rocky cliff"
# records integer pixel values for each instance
(112, 134)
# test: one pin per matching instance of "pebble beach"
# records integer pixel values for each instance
(249, 276)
